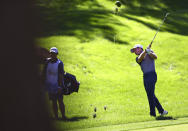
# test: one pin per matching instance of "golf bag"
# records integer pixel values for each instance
(71, 84)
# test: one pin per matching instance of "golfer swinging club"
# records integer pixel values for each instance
(146, 59)
(54, 81)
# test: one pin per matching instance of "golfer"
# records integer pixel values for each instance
(146, 59)
(54, 81)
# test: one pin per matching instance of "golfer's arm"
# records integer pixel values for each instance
(141, 56)
(153, 55)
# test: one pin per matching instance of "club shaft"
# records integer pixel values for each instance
(159, 28)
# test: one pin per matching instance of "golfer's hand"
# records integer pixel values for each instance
(148, 51)
(151, 53)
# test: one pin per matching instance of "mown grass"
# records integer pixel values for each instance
(175, 125)
(94, 45)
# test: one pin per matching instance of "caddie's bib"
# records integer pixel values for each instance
(52, 76)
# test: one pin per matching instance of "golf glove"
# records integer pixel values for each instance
(148, 51)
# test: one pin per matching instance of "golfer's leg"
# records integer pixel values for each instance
(158, 105)
(151, 102)
(55, 108)
(62, 107)
(150, 94)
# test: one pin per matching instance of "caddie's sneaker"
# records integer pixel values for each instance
(164, 113)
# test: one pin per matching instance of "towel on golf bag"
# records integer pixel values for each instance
(71, 84)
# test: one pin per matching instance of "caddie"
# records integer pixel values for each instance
(53, 75)
(146, 59)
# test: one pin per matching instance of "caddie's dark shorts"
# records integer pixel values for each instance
(55, 97)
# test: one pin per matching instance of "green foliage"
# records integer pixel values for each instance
(95, 44)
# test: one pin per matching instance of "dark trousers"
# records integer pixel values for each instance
(149, 83)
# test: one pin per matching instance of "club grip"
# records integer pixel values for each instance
(150, 45)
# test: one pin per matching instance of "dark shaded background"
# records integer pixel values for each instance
(64, 17)
(22, 106)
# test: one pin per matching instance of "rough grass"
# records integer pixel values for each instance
(94, 45)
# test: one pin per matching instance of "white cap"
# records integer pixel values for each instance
(136, 46)
(54, 49)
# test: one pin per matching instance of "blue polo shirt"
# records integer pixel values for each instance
(147, 65)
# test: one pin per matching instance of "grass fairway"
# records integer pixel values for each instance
(182, 127)
(95, 44)
(175, 125)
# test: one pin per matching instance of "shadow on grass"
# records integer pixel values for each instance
(176, 22)
(76, 118)
(68, 19)
(165, 118)
(86, 19)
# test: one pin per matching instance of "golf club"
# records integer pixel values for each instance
(158, 29)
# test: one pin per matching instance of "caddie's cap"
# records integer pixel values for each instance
(136, 46)
(54, 50)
